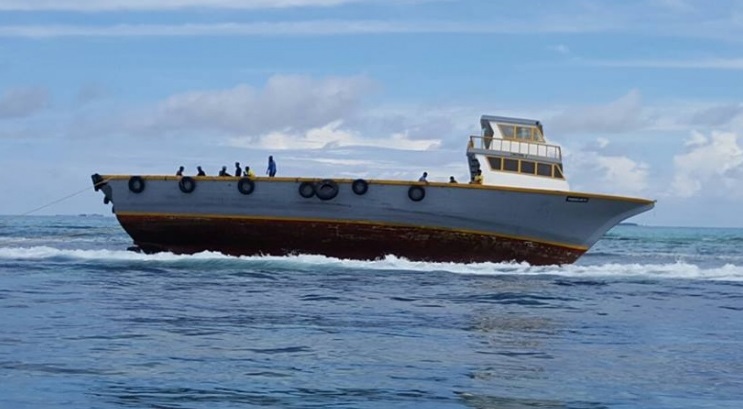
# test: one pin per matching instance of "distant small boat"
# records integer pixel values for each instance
(519, 208)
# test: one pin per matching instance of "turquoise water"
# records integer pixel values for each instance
(650, 318)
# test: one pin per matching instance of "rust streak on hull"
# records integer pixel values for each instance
(343, 240)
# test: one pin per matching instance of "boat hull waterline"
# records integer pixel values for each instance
(450, 223)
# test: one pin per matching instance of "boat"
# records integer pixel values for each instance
(517, 207)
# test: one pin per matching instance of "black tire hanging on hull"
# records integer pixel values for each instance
(416, 193)
(306, 190)
(246, 186)
(360, 186)
(187, 184)
(326, 189)
(136, 184)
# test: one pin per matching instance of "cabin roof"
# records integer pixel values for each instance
(485, 121)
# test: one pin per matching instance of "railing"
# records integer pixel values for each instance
(511, 146)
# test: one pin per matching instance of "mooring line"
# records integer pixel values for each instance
(62, 199)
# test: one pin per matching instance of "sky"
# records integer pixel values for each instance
(644, 96)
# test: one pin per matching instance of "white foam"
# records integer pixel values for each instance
(45, 252)
(680, 269)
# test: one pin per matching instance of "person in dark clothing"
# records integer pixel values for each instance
(452, 180)
(180, 171)
(271, 171)
(238, 169)
(223, 171)
(201, 171)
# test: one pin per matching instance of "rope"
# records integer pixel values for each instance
(62, 199)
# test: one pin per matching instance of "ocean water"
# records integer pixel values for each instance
(650, 318)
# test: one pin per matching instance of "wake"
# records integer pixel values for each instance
(679, 269)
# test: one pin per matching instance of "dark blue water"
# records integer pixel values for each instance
(650, 318)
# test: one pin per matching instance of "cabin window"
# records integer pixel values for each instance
(495, 163)
(506, 131)
(558, 172)
(511, 165)
(544, 169)
(527, 166)
(523, 133)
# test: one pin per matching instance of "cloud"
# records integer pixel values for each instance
(286, 103)
(597, 165)
(621, 115)
(697, 63)
(681, 115)
(684, 6)
(561, 49)
(90, 92)
(115, 5)
(291, 28)
(287, 112)
(591, 168)
(686, 19)
(623, 174)
(332, 136)
(718, 115)
(711, 165)
(23, 102)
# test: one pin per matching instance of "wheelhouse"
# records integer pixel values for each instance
(514, 152)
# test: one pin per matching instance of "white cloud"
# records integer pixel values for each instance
(290, 28)
(596, 166)
(561, 49)
(621, 115)
(332, 136)
(345, 162)
(696, 139)
(696, 63)
(712, 165)
(623, 174)
(720, 21)
(717, 115)
(108, 5)
(290, 102)
(676, 5)
(614, 174)
(22, 102)
(680, 115)
(90, 92)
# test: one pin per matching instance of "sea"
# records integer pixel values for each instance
(650, 317)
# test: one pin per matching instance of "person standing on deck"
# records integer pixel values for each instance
(238, 169)
(271, 171)
(477, 180)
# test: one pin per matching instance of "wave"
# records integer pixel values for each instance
(11, 241)
(679, 269)
(672, 256)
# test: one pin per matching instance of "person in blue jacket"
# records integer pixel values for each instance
(271, 171)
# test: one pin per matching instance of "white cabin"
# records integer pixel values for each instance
(513, 152)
